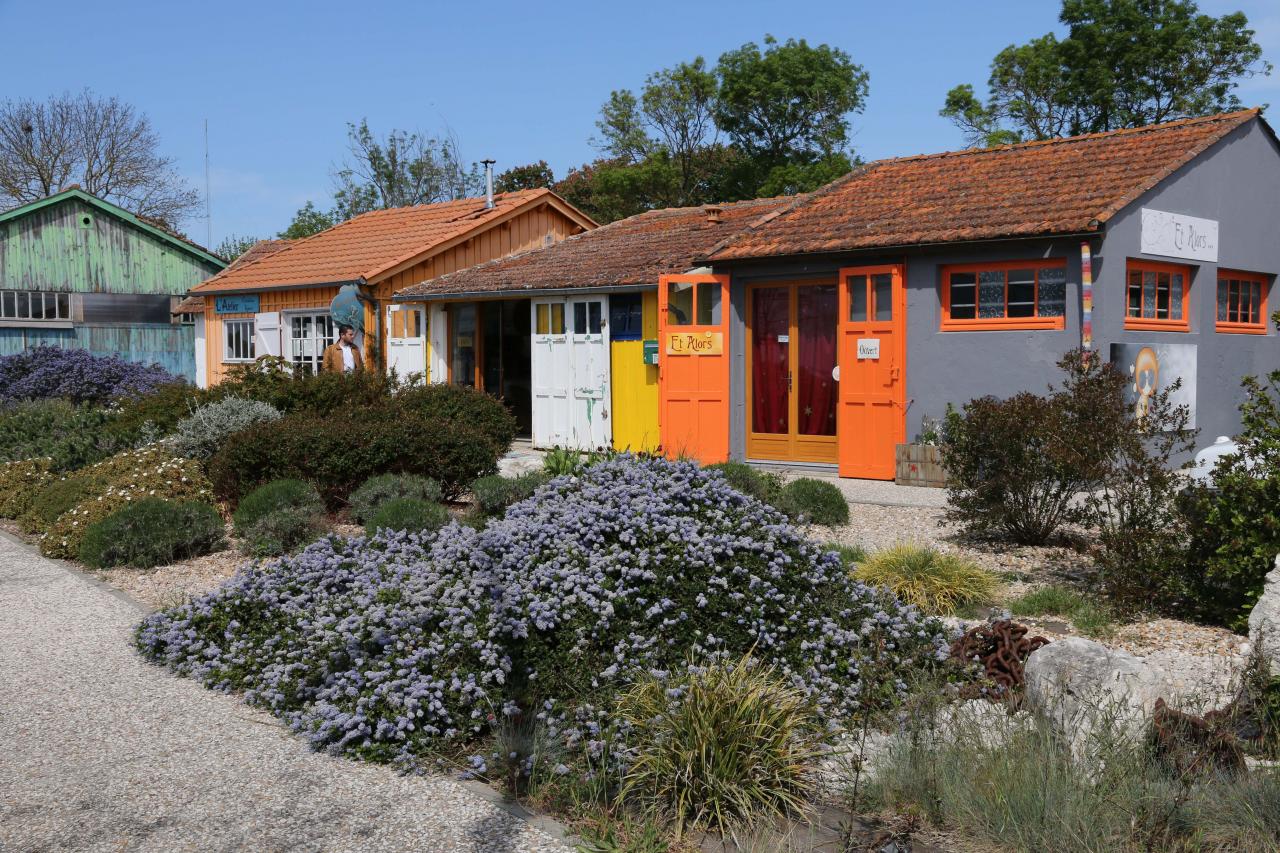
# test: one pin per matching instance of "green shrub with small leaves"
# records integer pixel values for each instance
(376, 491)
(20, 482)
(495, 493)
(273, 497)
(762, 485)
(144, 419)
(460, 405)
(152, 532)
(409, 514)
(281, 531)
(934, 581)
(814, 501)
(70, 435)
(724, 744)
(54, 497)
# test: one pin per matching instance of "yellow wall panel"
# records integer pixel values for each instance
(635, 387)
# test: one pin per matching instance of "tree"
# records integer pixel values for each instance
(309, 220)
(103, 144)
(1124, 63)
(233, 246)
(532, 176)
(399, 170)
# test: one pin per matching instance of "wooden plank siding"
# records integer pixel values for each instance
(529, 230)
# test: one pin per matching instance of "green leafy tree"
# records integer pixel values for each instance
(528, 177)
(1124, 63)
(309, 220)
(233, 246)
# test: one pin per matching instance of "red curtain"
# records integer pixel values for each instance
(770, 310)
(818, 307)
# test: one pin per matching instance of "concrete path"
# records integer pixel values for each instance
(100, 750)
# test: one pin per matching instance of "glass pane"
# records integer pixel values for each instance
(816, 308)
(1256, 316)
(625, 317)
(8, 304)
(679, 303)
(37, 306)
(709, 304)
(1175, 296)
(1052, 292)
(991, 294)
(543, 324)
(1148, 294)
(1223, 287)
(579, 318)
(883, 284)
(858, 299)
(963, 290)
(593, 317)
(557, 319)
(64, 306)
(770, 355)
(1022, 293)
(1246, 301)
(463, 355)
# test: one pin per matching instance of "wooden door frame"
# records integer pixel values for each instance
(792, 437)
(900, 349)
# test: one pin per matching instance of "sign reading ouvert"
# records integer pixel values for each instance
(1176, 235)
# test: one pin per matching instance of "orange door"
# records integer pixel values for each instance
(872, 415)
(693, 366)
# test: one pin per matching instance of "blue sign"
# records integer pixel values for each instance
(243, 304)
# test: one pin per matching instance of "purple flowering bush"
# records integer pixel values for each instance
(46, 372)
(401, 644)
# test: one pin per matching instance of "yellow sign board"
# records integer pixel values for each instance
(695, 343)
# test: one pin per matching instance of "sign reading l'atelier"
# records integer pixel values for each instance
(241, 304)
(1176, 235)
(695, 343)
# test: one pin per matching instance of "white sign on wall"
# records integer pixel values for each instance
(868, 348)
(1176, 235)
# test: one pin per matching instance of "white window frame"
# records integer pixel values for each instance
(313, 361)
(243, 342)
(17, 305)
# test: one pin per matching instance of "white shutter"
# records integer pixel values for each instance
(266, 333)
(202, 354)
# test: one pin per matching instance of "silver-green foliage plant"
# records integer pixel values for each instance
(376, 491)
(200, 435)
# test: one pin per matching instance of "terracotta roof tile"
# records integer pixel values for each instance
(1058, 186)
(630, 251)
(190, 305)
(367, 245)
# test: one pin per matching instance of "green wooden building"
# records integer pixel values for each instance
(77, 271)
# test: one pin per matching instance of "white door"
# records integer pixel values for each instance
(438, 335)
(551, 371)
(589, 317)
(407, 340)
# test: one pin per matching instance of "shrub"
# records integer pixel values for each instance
(630, 569)
(493, 494)
(815, 502)
(761, 485)
(125, 478)
(1016, 466)
(54, 497)
(275, 496)
(275, 381)
(562, 462)
(723, 744)
(281, 531)
(199, 435)
(142, 419)
(337, 454)
(20, 482)
(44, 372)
(68, 434)
(413, 515)
(934, 581)
(152, 532)
(378, 490)
(460, 405)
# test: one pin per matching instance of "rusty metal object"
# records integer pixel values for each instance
(1192, 746)
(1002, 647)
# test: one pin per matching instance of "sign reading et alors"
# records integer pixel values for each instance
(695, 343)
(1176, 235)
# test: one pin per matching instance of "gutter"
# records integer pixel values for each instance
(522, 293)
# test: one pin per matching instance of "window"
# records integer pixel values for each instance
(586, 318)
(680, 303)
(238, 344)
(34, 305)
(1005, 295)
(550, 319)
(1156, 296)
(309, 334)
(1242, 302)
(626, 317)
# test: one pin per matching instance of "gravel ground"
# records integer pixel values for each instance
(168, 586)
(100, 750)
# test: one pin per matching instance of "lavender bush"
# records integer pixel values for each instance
(399, 644)
(46, 372)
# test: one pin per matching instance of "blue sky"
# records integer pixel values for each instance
(517, 82)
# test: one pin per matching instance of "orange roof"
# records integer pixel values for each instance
(1058, 186)
(629, 251)
(377, 244)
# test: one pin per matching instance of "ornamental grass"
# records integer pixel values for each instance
(934, 581)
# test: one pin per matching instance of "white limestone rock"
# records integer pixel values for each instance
(1264, 621)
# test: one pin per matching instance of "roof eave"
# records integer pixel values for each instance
(258, 288)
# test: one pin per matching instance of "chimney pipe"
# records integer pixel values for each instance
(488, 182)
(713, 212)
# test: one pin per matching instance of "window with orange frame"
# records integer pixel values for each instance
(1242, 302)
(1157, 296)
(1005, 295)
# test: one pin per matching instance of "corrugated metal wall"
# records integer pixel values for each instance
(170, 346)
